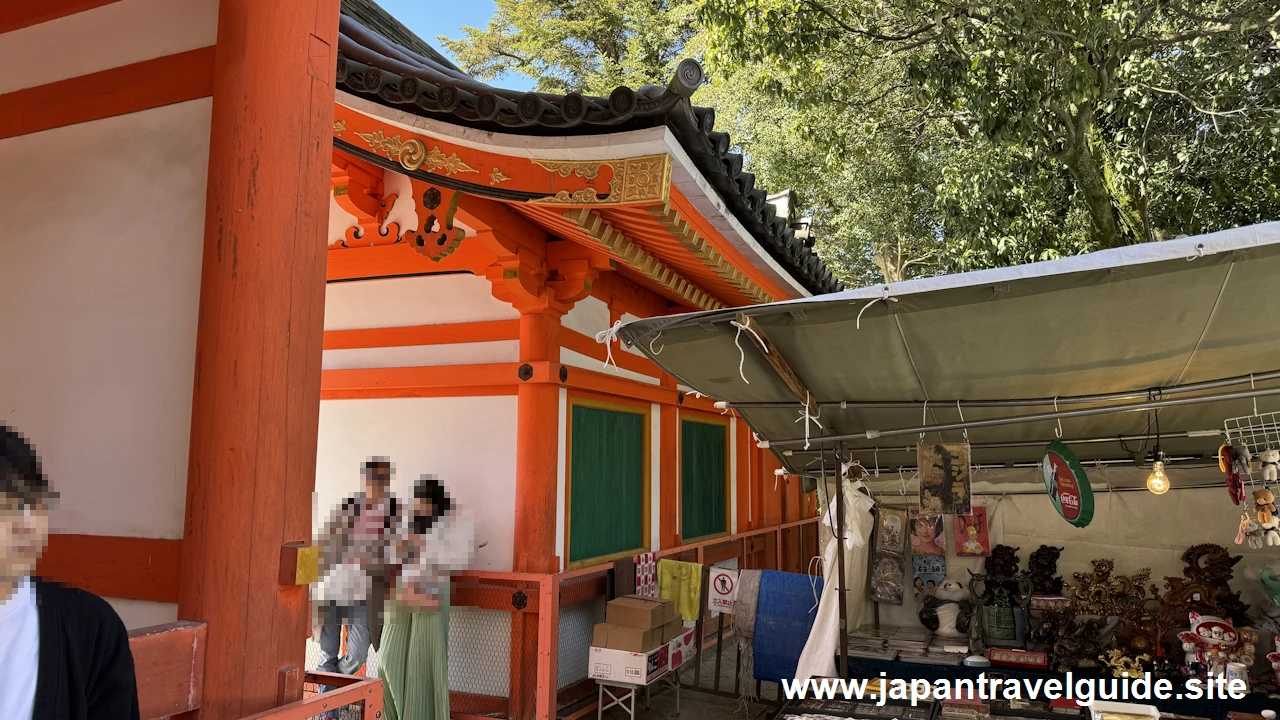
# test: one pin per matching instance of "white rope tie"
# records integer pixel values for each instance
(807, 417)
(885, 297)
(742, 355)
(608, 338)
(1055, 409)
(654, 339)
(820, 562)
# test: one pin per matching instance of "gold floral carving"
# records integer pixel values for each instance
(412, 154)
(339, 127)
(584, 170)
(635, 180)
(497, 176)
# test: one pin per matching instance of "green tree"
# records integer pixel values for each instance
(1135, 99)
(589, 46)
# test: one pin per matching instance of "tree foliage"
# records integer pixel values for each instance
(928, 136)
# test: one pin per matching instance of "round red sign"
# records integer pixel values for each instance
(1068, 487)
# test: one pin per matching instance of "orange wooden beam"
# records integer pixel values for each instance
(580, 343)
(119, 567)
(487, 331)
(168, 661)
(422, 378)
(119, 91)
(401, 259)
(17, 14)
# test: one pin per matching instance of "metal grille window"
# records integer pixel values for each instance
(608, 471)
(704, 477)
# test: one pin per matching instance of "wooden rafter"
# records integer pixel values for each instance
(680, 229)
(779, 364)
(617, 243)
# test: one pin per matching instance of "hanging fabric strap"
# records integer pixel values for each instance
(742, 355)
(885, 297)
(608, 338)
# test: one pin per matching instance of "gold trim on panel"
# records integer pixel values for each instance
(635, 180)
(615, 242)
(497, 176)
(339, 127)
(689, 238)
(413, 154)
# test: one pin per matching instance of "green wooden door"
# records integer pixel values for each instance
(606, 483)
(702, 479)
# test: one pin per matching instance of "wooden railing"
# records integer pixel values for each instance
(168, 661)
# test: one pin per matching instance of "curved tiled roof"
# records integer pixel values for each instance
(391, 74)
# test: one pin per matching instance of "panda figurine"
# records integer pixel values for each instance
(947, 611)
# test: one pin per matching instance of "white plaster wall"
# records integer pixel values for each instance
(100, 248)
(469, 443)
(475, 353)
(424, 300)
(111, 36)
(572, 358)
(143, 613)
(588, 316)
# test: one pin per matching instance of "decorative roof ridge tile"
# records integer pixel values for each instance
(380, 69)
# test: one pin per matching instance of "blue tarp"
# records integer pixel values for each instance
(784, 615)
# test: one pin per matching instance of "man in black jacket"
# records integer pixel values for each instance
(65, 652)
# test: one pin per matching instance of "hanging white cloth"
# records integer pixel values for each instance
(818, 657)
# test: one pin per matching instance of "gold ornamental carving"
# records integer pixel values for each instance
(635, 180)
(412, 154)
(339, 127)
(497, 176)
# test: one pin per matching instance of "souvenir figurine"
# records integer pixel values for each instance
(1123, 666)
(1227, 457)
(947, 611)
(1078, 646)
(1043, 568)
(1270, 460)
(1211, 642)
(1271, 530)
(1250, 532)
(1003, 607)
(1264, 505)
(1274, 659)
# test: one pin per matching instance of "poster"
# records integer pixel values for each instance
(972, 538)
(887, 574)
(723, 586)
(927, 534)
(891, 530)
(929, 572)
(1068, 486)
(944, 477)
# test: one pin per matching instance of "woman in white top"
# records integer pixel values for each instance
(415, 645)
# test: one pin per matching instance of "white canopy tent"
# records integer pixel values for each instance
(1183, 324)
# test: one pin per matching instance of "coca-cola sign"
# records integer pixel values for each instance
(1067, 485)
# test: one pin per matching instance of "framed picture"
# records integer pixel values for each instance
(927, 534)
(972, 538)
(887, 574)
(891, 530)
(944, 478)
(928, 572)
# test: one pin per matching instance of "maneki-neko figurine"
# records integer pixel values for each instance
(1212, 642)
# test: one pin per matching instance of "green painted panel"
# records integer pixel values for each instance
(606, 483)
(702, 479)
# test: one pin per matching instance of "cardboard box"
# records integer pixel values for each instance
(683, 648)
(622, 637)
(628, 668)
(672, 630)
(640, 612)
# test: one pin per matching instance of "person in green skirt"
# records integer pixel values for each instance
(414, 659)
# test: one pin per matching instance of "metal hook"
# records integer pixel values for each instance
(1055, 409)
(903, 482)
(877, 455)
(1255, 399)
(965, 430)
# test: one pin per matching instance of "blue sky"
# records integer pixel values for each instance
(432, 18)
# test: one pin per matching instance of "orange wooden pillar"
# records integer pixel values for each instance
(537, 435)
(257, 371)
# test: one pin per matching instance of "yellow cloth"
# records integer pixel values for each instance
(681, 582)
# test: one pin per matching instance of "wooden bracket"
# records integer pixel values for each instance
(299, 564)
(779, 364)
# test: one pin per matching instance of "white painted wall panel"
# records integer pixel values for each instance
(476, 353)
(111, 36)
(576, 359)
(103, 227)
(588, 316)
(143, 613)
(469, 443)
(425, 300)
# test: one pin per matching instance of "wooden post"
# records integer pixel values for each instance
(842, 583)
(537, 434)
(255, 407)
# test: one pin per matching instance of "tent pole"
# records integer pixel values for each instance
(1023, 402)
(842, 600)
(1018, 420)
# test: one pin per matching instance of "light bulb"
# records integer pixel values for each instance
(1158, 482)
